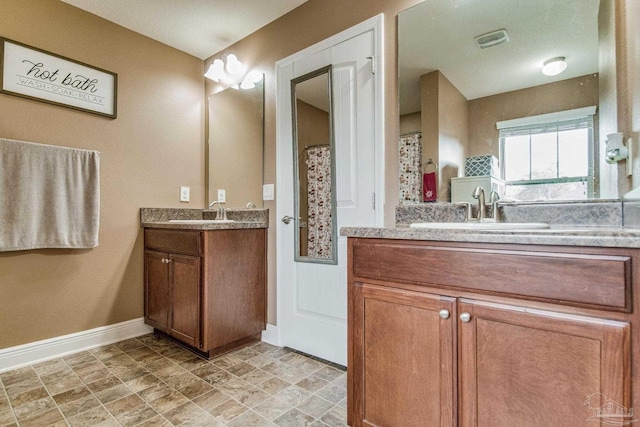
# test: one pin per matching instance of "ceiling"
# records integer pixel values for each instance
(439, 35)
(201, 28)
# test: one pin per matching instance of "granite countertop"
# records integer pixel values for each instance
(204, 226)
(243, 219)
(562, 235)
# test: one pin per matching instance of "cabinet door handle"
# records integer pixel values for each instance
(444, 313)
(465, 317)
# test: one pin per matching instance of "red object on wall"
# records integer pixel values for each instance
(429, 187)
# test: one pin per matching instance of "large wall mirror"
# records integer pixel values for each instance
(469, 69)
(236, 146)
(314, 168)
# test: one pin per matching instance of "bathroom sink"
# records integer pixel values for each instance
(202, 221)
(481, 225)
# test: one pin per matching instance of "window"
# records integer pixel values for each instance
(548, 157)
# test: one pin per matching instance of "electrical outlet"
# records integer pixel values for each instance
(185, 194)
(268, 191)
(222, 196)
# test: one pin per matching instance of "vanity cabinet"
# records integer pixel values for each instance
(402, 358)
(435, 341)
(206, 288)
(172, 295)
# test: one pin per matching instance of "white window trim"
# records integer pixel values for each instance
(558, 116)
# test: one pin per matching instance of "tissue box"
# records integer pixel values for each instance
(462, 188)
(481, 166)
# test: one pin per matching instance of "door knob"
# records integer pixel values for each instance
(287, 219)
(444, 313)
(465, 317)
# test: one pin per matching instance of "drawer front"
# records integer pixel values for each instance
(183, 242)
(592, 280)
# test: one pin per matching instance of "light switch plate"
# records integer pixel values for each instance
(268, 192)
(222, 196)
(185, 194)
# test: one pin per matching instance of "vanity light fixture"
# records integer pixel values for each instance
(615, 148)
(233, 68)
(231, 73)
(554, 66)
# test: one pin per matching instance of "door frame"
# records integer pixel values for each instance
(283, 126)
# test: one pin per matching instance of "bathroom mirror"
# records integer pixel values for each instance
(454, 90)
(314, 168)
(235, 146)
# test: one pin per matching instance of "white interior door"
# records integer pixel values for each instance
(312, 297)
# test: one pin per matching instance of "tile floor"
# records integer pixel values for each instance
(151, 381)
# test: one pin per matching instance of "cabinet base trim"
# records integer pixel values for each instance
(270, 335)
(52, 348)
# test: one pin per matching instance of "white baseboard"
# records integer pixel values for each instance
(52, 348)
(270, 335)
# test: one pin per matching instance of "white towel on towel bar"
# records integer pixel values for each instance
(49, 196)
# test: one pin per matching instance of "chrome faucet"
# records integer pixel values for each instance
(221, 213)
(494, 197)
(478, 193)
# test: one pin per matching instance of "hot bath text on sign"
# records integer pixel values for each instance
(79, 82)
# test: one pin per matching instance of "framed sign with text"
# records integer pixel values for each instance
(36, 74)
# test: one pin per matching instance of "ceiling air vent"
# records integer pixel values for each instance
(493, 38)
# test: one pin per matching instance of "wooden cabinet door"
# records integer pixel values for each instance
(156, 290)
(525, 367)
(185, 299)
(403, 358)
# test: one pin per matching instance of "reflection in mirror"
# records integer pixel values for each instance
(314, 167)
(466, 91)
(235, 160)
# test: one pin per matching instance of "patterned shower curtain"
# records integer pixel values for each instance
(410, 174)
(319, 202)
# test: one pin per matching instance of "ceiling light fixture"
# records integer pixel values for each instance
(554, 66)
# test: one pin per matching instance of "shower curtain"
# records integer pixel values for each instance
(319, 202)
(410, 174)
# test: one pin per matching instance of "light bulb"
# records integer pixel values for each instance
(554, 66)
(254, 76)
(247, 84)
(215, 71)
(234, 66)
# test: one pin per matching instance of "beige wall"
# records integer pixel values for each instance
(429, 113)
(310, 23)
(633, 83)
(485, 112)
(453, 134)
(154, 146)
(444, 128)
(608, 105)
(410, 123)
